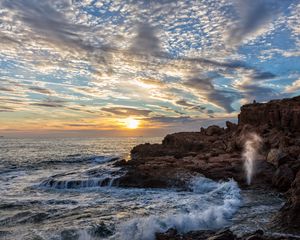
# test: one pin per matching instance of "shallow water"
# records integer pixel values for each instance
(63, 189)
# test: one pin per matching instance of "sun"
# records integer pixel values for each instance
(132, 123)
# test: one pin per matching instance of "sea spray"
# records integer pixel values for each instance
(205, 214)
(251, 147)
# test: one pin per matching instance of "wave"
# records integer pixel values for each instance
(78, 158)
(214, 216)
(52, 183)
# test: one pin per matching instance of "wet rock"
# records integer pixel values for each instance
(255, 237)
(259, 232)
(223, 235)
(69, 234)
(101, 230)
(283, 178)
(277, 157)
(170, 234)
(290, 213)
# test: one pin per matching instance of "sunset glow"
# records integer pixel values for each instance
(85, 65)
(132, 123)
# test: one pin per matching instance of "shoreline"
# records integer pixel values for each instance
(217, 153)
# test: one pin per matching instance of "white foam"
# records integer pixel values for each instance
(213, 216)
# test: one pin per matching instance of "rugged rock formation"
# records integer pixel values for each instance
(217, 154)
(281, 114)
(226, 234)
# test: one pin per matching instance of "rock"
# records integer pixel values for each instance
(184, 141)
(231, 126)
(170, 234)
(255, 237)
(277, 157)
(293, 151)
(214, 130)
(69, 234)
(283, 178)
(281, 114)
(259, 232)
(289, 216)
(216, 153)
(223, 235)
(101, 231)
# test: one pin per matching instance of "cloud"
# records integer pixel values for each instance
(257, 75)
(6, 109)
(52, 22)
(205, 87)
(126, 111)
(50, 102)
(295, 86)
(145, 42)
(147, 58)
(5, 89)
(253, 17)
(253, 85)
(40, 90)
(165, 119)
(81, 125)
(184, 103)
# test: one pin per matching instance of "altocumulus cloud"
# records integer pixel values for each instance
(180, 59)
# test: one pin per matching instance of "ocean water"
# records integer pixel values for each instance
(62, 189)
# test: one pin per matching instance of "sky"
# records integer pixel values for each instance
(91, 67)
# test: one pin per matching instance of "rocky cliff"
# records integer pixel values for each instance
(281, 114)
(216, 153)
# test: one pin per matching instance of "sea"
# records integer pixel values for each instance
(65, 189)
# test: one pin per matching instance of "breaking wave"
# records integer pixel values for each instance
(206, 214)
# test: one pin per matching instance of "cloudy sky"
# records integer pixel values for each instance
(84, 67)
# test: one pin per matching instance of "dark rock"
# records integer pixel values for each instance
(290, 213)
(277, 157)
(231, 126)
(259, 232)
(101, 230)
(69, 234)
(282, 114)
(255, 237)
(170, 234)
(214, 130)
(283, 178)
(223, 235)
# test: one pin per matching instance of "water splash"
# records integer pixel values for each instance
(203, 214)
(251, 148)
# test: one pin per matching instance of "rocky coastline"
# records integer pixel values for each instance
(216, 153)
